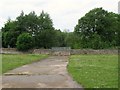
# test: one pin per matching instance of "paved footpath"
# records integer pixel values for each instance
(47, 73)
(0, 82)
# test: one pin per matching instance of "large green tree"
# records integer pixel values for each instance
(72, 40)
(97, 29)
(39, 27)
(118, 36)
(24, 42)
(27, 22)
(9, 34)
(44, 37)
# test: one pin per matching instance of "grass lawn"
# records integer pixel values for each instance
(13, 61)
(0, 64)
(94, 71)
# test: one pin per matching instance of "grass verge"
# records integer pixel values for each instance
(10, 62)
(94, 71)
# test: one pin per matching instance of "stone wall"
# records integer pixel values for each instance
(64, 53)
(10, 51)
(14, 51)
(61, 51)
(90, 51)
(42, 51)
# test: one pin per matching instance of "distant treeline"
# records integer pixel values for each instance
(98, 29)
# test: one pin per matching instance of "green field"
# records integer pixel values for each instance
(10, 62)
(94, 71)
(0, 64)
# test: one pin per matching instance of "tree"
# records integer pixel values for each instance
(24, 42)
(118, 35)
(9, 34)
(39, 27)
(27, 23)
(45, 22)
(72, 40)
(60, 38)
(45, 35)
(100, 25)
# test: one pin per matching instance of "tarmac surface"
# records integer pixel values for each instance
(47, 73)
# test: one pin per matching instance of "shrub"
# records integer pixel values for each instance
(24, 42)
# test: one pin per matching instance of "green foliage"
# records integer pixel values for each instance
(39, 27)
(24, 42)
(45, 21)
(45, 39)
(72, 40)
(59, 38)
(10, 39)
(9, 34)
(27, 23)
(118, 36)
(98, 29)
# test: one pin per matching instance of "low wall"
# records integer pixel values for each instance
(14, 51)
(90, 51)
(61, 53)
(42, 51)
(52, 52)
(10, 51)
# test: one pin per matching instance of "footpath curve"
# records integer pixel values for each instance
(47, 73)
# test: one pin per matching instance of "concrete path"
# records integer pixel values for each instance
(48, 73)
(0, 82)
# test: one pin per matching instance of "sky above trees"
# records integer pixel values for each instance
(64, 13)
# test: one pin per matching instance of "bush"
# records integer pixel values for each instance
(24, 42)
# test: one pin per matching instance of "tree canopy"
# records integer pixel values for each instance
(98, 29)
(24, 42)
(39, 27)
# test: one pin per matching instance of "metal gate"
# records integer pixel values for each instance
(61, 51)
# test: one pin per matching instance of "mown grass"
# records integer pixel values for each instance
(94, 71)
(10, 62)
(0, 64)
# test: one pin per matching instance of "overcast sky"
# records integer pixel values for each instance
(64, 13)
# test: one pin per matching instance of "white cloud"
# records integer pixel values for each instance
(65, 13)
